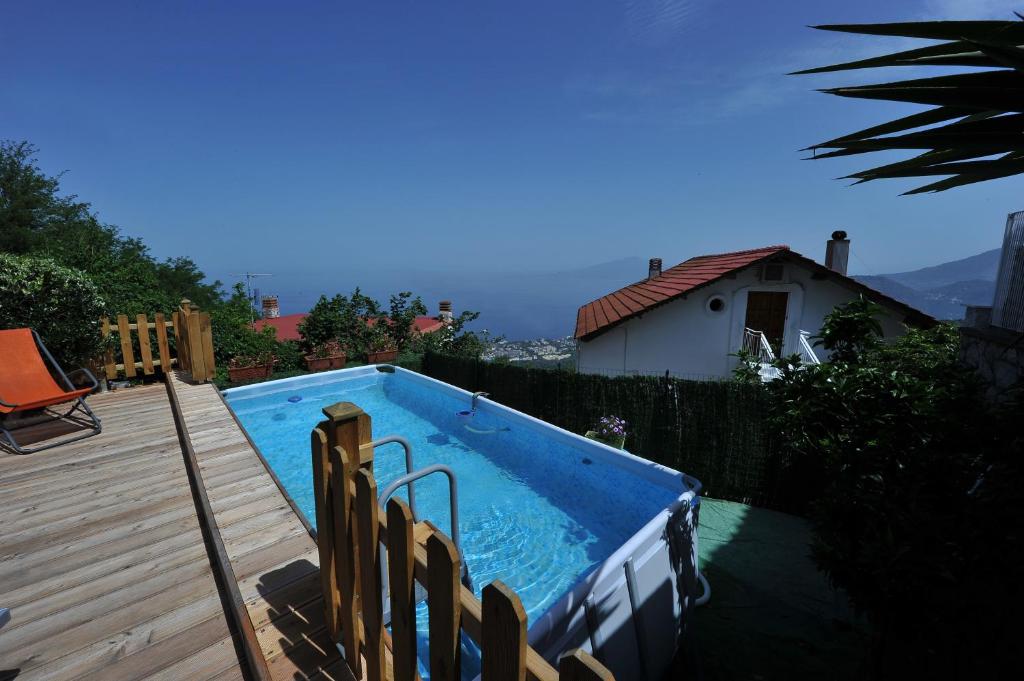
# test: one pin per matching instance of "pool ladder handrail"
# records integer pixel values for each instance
(453, 500)
(398, 439)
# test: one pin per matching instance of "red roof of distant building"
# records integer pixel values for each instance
(635, 299)
(288, 325)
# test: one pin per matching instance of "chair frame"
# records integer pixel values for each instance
(78, 404)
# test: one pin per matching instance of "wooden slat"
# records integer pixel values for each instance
(369, 573)
(163, 348)
(206, 338)
(443, 588)
(344, 556)
(126, 345)
(580, 666)
(503, 644)
(324, 509)
(179, 346)
(401, 587)
(144, 348)
(195, 348)
(108, 354)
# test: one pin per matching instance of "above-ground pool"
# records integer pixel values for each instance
(599, 545)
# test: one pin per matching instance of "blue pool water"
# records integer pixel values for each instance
(535, 511)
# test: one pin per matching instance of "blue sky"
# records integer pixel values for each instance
(320, 141)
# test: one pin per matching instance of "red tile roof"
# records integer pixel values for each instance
(615, 308)
(634, 299)
(288, 325)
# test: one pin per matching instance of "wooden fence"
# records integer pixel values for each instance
(192, 349)
(350, 533)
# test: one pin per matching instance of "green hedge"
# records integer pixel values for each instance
(714, 431)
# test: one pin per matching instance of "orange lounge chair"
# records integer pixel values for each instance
(27, 384)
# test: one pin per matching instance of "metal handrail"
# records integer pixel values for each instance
(453, 498)
(388, 439)
(453, 493)
(806, 350)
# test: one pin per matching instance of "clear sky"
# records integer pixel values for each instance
(336, 137)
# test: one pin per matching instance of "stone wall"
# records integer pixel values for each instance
(996, 354)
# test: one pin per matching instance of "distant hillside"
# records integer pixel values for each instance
(942, 290)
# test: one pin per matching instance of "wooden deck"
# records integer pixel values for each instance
(270, 549)
(102, 559)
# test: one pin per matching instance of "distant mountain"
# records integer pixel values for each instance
(981, 267)
(942, 290)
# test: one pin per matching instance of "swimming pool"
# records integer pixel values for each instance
(571, 525)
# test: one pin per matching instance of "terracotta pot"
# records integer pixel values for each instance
(314, 363)
(381, 357)
(251, 373)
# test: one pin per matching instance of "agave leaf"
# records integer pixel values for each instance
(958, 181)
(1008, 167)
(924, 160)
(1002, 32)
(959, 53)
(974, 79)
(1003, 55)
(937, 115)
(982, 98)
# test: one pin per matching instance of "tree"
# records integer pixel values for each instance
(401, 318)
(452, 339)
(35, 219)
(977, 114)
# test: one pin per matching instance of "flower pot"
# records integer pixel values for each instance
(618, 442)
(314, 363)
(250, 373)
(381, 356)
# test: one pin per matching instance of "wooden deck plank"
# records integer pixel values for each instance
(272, 555)
(102, 559)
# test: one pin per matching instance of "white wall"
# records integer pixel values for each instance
(687, 339)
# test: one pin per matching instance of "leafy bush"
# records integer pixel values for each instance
(60, 303)
(900, 444)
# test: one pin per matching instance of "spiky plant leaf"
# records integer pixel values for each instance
(977, 115)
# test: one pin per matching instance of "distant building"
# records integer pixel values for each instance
(690, 320)
(288, 325)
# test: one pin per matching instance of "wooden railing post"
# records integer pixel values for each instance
(126, 345)
(503, 634)
(181, 334)
(324, 508)
(145, 350)
(401, 564)
(351, 428)
(345, 556)
(197, 360)
(163, 347)
(370, 587)
(445, 605)
(109, 365)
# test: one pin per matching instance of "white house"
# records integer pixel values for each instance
(691, 319)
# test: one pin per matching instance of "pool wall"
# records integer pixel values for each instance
(632, 611)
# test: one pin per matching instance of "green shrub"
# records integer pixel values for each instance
(901, 448)
(60, 303)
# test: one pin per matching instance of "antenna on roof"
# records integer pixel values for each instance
(249, 276)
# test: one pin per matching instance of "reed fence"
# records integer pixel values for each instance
(355, 539)
(188, 346)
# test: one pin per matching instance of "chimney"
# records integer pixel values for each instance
(270, 307)
(445, 315)
(653, 267)
(837, 252)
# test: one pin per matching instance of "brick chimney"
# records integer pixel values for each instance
(445, 313)
(837, 252)
(653, 267)
(270, 307)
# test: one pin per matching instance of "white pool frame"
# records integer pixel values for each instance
(632, 611)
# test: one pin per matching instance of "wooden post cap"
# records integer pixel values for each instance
(342, 411)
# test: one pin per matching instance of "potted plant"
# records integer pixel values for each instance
(381, 347)
(326, 356)
(250, 367)
(610, 430)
